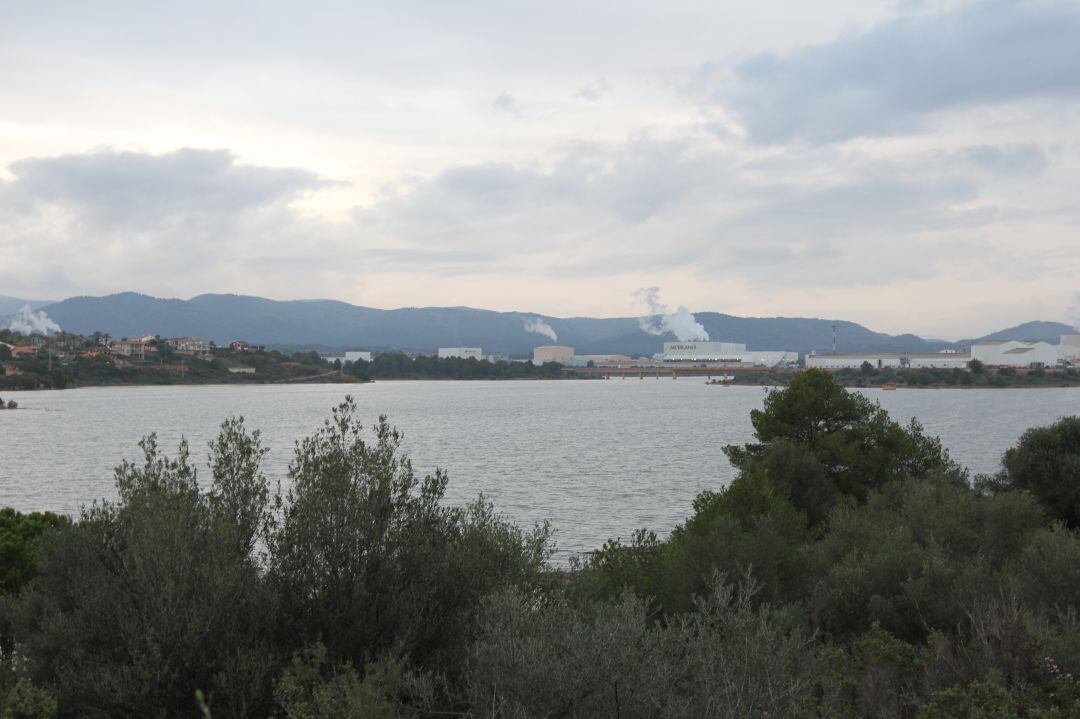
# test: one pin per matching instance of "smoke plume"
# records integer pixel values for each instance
(1074, 312)
(26, 322)
(537, 325)
(658, 321)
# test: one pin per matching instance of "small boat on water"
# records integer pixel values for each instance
(888, 386)
(722, 380)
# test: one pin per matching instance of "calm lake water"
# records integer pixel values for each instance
(599, 459)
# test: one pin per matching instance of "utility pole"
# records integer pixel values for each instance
(834, 338)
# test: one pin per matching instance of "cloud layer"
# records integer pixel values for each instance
(913, 168)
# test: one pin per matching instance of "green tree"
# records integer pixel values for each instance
(366, 558)
(19, 538)
(853, 441)
(1046, 462)
(155, 595)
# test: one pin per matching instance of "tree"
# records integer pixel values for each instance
(155, 595)
(852, 441)
(19, 538)
(976, 366)
(1046, 462)
(367, 559)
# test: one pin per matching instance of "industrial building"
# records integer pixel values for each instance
(345, 357)
(600, 360)
(460, 353)
(725, 352)
(553, 353)
(946, 359)
(1016, 353)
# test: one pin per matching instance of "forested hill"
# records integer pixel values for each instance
(328, 324)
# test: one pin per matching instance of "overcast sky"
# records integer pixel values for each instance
(914, 166)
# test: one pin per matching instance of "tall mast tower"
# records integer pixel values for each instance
(834, 338)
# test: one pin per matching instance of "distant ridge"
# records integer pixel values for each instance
(1045, 331)
(11, 305)
(330, 324)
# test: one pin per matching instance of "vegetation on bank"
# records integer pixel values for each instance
(70, 366)
(924, 378)
(395, 365)
(850, 570)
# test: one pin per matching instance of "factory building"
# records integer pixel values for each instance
(345, 357)
(1015, 353)
(600, 360)
(916, 360)
(553, 353)
(703, 351)
(725, 352)
(460, 353)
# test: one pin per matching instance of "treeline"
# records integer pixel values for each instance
(850, 570)
(395, 365)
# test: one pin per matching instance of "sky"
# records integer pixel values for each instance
(910, 165)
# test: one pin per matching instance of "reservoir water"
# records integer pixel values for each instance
(598, 458)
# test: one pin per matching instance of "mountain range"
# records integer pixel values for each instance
(333, 325)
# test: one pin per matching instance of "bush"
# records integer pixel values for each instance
(548, 657)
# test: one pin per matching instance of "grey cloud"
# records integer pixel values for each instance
(504, 104)
(888, 79)
(1025, 159)
(593, 91)
(110, 219)
(113, 188)
(604, 210)
(632, 181)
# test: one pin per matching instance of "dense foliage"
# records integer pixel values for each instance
(850, 570)
(394, 365)
(976, 375)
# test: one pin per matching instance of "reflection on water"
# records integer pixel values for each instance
(599, 459)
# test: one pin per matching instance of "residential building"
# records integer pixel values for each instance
(190, 345)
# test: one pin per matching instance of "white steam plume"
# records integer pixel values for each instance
(537, 325)
(658, 321)
(26, 322)
(1074, 312)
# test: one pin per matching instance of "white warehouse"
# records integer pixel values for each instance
(460, 353)
(725, 352)
(878, 361)
(1015, 353)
